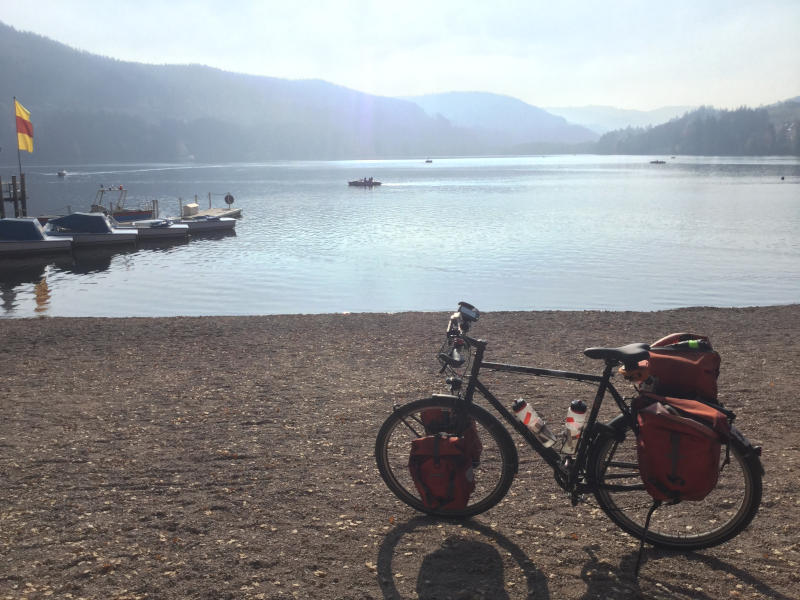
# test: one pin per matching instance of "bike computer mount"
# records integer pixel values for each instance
(468, 312)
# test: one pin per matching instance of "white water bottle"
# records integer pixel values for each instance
(530, 418)
(576, 417)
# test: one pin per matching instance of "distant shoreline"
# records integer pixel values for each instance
(356, 315)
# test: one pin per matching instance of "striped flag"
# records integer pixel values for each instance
(24, 127)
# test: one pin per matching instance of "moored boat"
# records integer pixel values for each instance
(152, 229)
(26, 236)
(89, 229)
(116, 209)
(208, 224)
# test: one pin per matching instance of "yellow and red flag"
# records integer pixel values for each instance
(24, 127)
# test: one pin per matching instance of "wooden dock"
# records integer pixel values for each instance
(217, 212)
(192, 209)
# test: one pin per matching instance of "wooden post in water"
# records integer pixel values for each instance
(24, 198)
(18, 196)
(14, 195)
(209, 199)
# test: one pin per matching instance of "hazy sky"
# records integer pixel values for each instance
(630, 54)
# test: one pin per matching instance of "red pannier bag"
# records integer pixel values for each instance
(678, 443)
(681, 364)
(442, 464)
(439, 420)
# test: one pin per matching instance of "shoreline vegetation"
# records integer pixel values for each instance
(231, 457)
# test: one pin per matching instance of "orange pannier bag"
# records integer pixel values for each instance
(682, 365)
(678, 443)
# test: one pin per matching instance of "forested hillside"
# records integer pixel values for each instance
(87, 109)
(773, 130)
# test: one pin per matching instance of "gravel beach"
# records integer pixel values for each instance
(232, 457)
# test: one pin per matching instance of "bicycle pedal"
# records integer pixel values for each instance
(576, 499)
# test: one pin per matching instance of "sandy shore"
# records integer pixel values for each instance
(231, 457)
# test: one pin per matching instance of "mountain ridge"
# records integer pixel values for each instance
(495, 114)
(90, 108)
(602, 119)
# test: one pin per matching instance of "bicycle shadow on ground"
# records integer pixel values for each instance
(604, 581)
(461, 567)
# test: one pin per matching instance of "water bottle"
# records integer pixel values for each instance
(534, 422)
(576, 417)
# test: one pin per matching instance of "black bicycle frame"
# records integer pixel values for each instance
(569, 469)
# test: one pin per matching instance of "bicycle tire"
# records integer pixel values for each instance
(493, 475)
(685, 526)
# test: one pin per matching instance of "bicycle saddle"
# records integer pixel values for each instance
(631, 353)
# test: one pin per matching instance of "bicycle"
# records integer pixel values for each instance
(604, 464)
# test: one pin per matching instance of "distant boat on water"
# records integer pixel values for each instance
(365, 182)
(428, 160)
(658, 162)
(62, 173)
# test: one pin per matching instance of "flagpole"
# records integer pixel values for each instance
(19, 154)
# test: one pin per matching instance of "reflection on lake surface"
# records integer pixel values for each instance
(555, 232)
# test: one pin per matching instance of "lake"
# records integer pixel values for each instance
(523, 233)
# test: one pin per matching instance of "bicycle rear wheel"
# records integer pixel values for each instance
(493, 475)
(688, 525)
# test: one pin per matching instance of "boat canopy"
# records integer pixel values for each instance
(19, 229)
(81, 223)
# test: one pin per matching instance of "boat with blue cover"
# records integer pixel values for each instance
(26, 236)
(89, 229)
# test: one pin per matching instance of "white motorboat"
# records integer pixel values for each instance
(26, 236)
(207, 224)
(157, 229)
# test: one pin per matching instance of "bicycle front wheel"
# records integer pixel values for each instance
(689, 525)
(493, 473)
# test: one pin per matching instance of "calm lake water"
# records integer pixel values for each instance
(528, 233)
